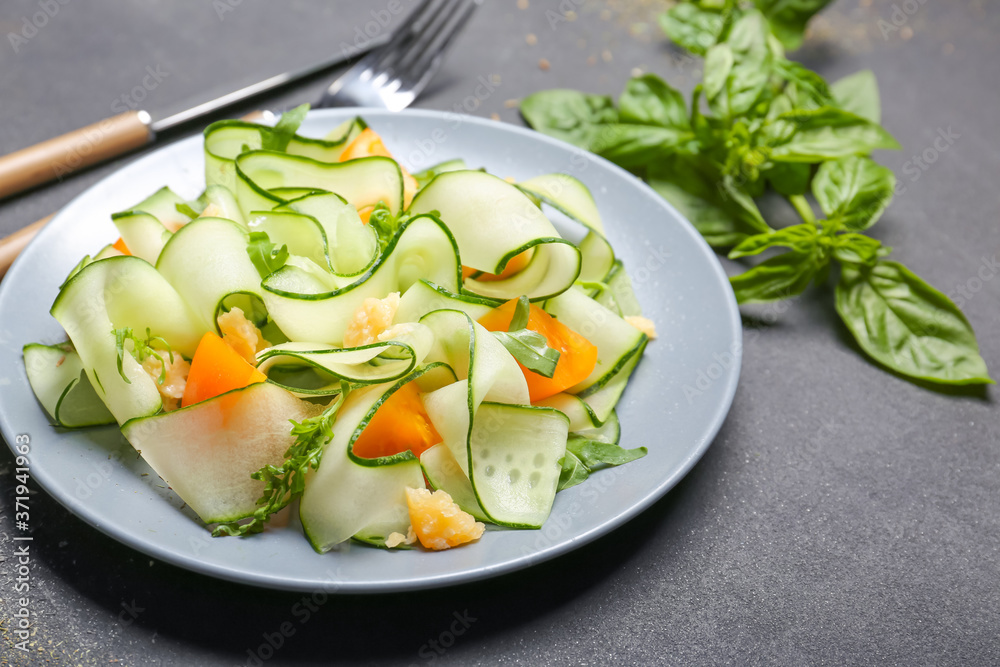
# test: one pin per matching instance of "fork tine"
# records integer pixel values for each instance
(419, 37)
(427, 63)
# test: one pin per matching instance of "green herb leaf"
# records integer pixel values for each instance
(531, 350)
(858, 93)
(522, 312)
(186, 210)
(265, 256)
(568, 115)
(649, 100)
(777, 278)
(829, 133)
(692, 27)
(744, 64)
(277, 139)
(853, 191)
(594, 453)
(858, 249)
(703, 198)
(801, 238)
(573, 471)
(788, 18)
(789, 178)
(908, 326)
(285, 482)
(141, 349)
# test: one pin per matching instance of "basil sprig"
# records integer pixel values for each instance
(529, 347)
(759, 122)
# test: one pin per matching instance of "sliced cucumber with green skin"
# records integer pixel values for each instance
(107, 251)
(572, 198)
(362, 182)
(617, 341)
(610, 431)
(144, 235)
(303, 235)
(226, 139)
(493, 222)
(427, 175)
(619, 296)
(225, 201)
(162, 205)
(206, 261)
(57, 378)
(351, 496)
(444, 473)
(424, 297)
(407, 350)
(422, 248)
(353, 245)
(206, 452)
(580, 414)
(515, 453)
(485, 371)
(123, 292)
(603, 401)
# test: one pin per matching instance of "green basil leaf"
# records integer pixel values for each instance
(522, 311)
(288, 124)
(829, 133)
(186, 210)
(858, 93)
(568, 115)
(692, 27)
(265, 257)
(694, 190)
(649, 100)
(531, 349)
(800, 238)
(789, 178)
(854, 191)
(778, 278)
(594, 453)
(573, 471)
(718, 65)
(908, 326)
(788, 18)
(746, 63)
(635, 146)
(858, 249)
(805, 88)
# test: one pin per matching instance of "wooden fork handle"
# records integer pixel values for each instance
(11, 246)
(52, 159)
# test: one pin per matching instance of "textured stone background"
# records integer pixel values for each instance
(842, 516)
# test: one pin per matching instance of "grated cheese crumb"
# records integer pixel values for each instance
(174, 381)
(372, 318)
(240, 334)
(643, 324)
(395, 539)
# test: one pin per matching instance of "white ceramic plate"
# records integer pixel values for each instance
(674, 405)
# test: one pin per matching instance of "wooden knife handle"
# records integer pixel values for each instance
(51, 160)
(11, 246)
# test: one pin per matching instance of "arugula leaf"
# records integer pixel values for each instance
(908, 326)
(529, 348)
(265, 256)
(858, 93)
(285, 482)
(778, 278)
(788, 18)
(829, 133)
(277, 139)
(649, 100)
(568, 115)
(692, 27)
(853, 191)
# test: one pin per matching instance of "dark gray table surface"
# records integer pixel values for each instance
(842, 515)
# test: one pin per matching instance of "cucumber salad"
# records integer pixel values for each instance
(403, 358)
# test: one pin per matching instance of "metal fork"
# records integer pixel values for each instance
(392, 76)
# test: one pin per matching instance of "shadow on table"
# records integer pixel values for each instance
(200, 616)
